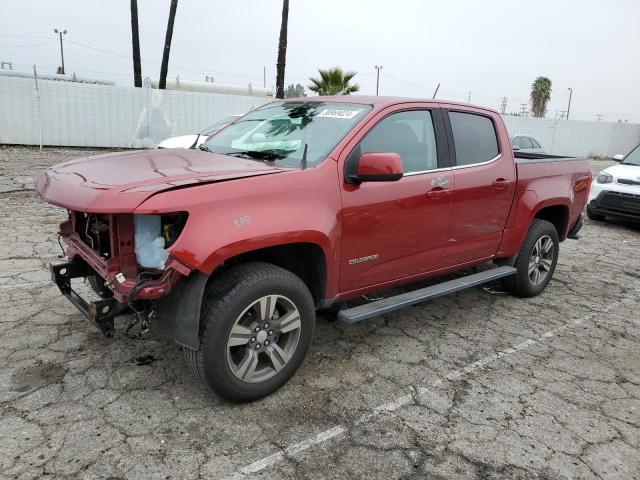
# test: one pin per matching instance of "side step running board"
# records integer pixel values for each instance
(386, 305)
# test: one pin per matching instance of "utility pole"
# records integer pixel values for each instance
(264, 76)
(378, 68)
(523, 109)
(35, 78)
(61, 32)
(503, 106)
(569, 106)
(469, 97)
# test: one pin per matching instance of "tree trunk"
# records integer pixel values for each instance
(135, 40)
(282, 50)
(167, 45)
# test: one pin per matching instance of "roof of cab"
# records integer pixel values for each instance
(379, 101)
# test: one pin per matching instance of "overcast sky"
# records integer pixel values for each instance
(491, 48)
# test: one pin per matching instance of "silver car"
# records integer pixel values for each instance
(526, 144)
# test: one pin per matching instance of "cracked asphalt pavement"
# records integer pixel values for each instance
(478, 384)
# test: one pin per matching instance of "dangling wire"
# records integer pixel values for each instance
(139, 318)
(64, 254)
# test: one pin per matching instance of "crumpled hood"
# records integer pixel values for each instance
(119, 182)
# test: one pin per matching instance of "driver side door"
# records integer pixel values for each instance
(397, 230)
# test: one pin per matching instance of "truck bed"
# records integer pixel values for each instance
(525, 157)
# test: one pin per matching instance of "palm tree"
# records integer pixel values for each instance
(282, 50)
(540, 95)
(135, 40)
(167, 45)
(333, 81)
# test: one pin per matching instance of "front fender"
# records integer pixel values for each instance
(230, 218)
(251, 244)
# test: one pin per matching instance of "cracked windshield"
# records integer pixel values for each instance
(299, 134)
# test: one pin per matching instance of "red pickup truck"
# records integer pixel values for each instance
(299, 205)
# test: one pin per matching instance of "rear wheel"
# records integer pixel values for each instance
(536, 260)
(256, 328)
(594, 216)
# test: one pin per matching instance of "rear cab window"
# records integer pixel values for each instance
(474, 138)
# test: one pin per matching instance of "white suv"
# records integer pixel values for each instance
(616, 191)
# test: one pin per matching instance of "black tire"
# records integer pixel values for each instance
(521, 283)
(594, 216)
(97, 284)
(226, 299)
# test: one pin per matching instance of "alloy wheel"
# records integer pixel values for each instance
(541, 260)
(263, 338)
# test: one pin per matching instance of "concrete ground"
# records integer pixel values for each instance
(475, 385)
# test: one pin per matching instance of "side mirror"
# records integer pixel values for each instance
(618, 158)
(378, 167)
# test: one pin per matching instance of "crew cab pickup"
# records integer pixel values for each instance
(300, 205)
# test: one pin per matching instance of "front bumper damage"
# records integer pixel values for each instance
(102, 311)
(135, 290)
(177, 313)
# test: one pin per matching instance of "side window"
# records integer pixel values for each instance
(410, 134)
(516, 142)
(474, 137)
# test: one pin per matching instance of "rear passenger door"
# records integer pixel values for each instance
(484, 178)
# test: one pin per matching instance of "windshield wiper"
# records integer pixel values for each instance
(268, 155)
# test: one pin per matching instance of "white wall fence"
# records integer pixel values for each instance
(84, 115)
(77, 114)
(577, 138)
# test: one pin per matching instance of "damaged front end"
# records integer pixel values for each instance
(128, 253)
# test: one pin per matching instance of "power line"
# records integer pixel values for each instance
(22, 36)
(29, 46)
(419, 87)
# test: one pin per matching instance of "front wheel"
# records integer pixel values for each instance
(256, 328)
(536, 260)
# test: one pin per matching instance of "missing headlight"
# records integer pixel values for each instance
(172, 225)
(154, 234)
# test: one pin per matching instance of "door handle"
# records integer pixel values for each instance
(500, 184)
(438, 193)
